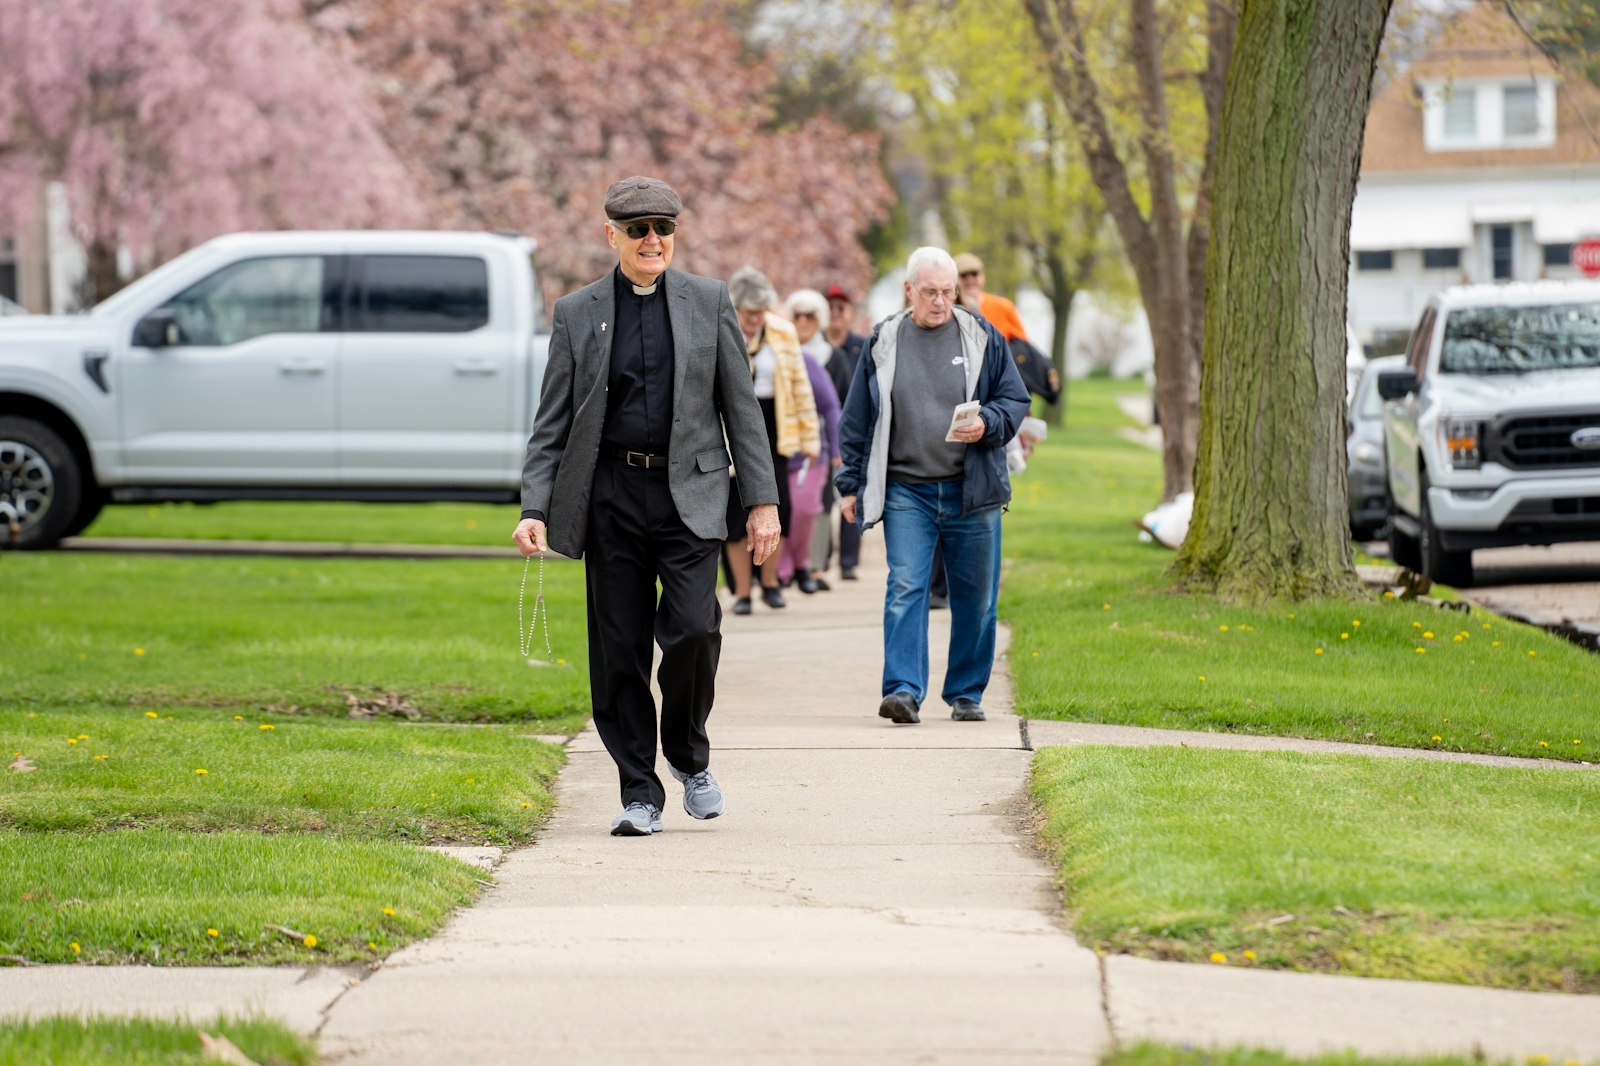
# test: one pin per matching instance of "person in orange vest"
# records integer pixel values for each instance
(1001, 312)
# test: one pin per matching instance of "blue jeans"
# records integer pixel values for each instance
(915, 518)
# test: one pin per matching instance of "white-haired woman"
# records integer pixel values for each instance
(783, 389)
(808, 477)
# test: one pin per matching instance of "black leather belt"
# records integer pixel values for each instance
(642, 460)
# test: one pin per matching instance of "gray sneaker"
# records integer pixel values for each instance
(637, 820)
(702, 796)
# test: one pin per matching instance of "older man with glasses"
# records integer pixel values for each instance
(627, 462)
(935, 398)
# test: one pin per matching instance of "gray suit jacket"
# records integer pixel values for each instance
(713, 406)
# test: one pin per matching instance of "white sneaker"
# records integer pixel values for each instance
(637, 820)
(702, 796)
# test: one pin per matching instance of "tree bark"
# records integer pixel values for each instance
(1271, 516)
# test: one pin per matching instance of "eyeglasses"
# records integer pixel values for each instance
(972, 273)
(637, 229)
(805, 314)
(937, 294)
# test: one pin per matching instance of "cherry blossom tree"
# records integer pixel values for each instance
(517, 116)
(170, 121)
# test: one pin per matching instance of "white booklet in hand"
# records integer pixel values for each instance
(962, 415)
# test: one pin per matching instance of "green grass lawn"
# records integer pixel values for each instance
(1152, 1054)
(116, 843)
(1346, 864)
(1099, 635)
(118, 767)
(143, 1042)
(343, 523)
(262, 633)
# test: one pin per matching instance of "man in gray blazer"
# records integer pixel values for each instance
(647, 388)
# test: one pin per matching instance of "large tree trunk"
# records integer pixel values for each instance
(1270, 514)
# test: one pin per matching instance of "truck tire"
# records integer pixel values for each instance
(1403, 549)
(1443, 566)
(40, 480)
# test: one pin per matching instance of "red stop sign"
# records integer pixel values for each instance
(1586, 256)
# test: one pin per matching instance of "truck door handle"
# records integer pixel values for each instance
(476, 367)
(302, 366)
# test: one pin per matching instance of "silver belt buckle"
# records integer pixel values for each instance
(644, 459)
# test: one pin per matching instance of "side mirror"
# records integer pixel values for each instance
(158, 329)
(1397, 384)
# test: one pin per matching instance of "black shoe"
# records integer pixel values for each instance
(741, 605)
(821, 583)
(937, 602)
(806, 583)
(966, 711)
(773, 597)
(847, 573)
(900, 708)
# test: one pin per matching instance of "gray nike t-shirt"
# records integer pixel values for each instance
(930, 378)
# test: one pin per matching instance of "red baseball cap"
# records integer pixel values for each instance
(836, 292)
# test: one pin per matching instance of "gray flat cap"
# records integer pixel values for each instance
(641, 197)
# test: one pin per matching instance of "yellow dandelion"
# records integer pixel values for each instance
(212, 932)
(1494, 644)
(151, 714)
(1035, 655)
(1422, 651)
(1416, 625)
(238, 718)
(1223, 629)
(1544, 743)
(200, 773)
(1577, 742)
(1291, 616)
(83, 736)
(1532, 652)
(525, 803)
(75, 948)
(1250, 955)
(1202, 677)
(72, 740)
(1436, 736)
(472, 523)
(1388, 595)
(1105, 607)
(1354, 622)
(371, 946)
(1427, 634)
(469, 780)
(267, 728)
(1486, 625)
(311, 940)
(138, 651)
(389, 911)
(1446, 721)
(563, 662)
(1344, 636)
(1317, 652)
(101, 758)
(1456, 638)
(1218, 957)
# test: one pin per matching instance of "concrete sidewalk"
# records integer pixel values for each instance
(871, 896)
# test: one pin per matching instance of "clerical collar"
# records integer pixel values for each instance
(638, 290)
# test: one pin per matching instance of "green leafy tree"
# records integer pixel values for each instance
(1006, 172)
(1270, 513)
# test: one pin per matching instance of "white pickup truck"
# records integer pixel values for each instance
(1492, 430)
(352, 366)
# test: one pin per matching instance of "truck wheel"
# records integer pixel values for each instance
(1445, 567)
(41, 485)
(1402, 548)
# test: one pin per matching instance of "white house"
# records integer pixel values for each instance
(1481, 163)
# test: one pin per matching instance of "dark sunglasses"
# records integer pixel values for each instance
(664, 227)
(971, 273)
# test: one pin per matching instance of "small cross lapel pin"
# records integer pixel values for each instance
(602, 327)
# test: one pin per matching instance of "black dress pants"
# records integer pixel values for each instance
(635, 539)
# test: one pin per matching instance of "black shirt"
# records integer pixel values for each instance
(639, 403)
(842, 363)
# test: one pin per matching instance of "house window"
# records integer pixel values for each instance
(1557, 255)
(1521, 111)
(1441, 258)
(1375, 260)
(1461, 114)
(1500, 250)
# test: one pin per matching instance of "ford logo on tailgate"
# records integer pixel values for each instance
(1587, 438)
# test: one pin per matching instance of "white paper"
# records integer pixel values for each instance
(963, 414)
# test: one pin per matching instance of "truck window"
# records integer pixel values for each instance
(420, 294)
(251, 298)
(1421, 340)
(1511, 340)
